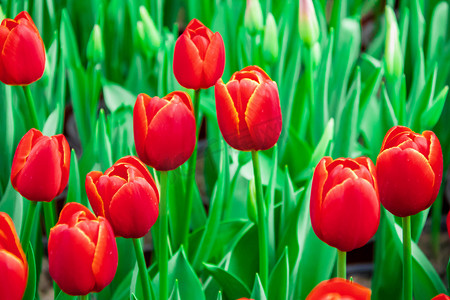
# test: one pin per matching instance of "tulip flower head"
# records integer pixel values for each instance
(199, 57)
(441, 297)
(345, 208)
(40, 168)
(82, 251)
(126, 195)
(13, 264)
(339, 289)
(22, 59)
(164, 130)
(248, 110)
(409, 170)
(307, 23)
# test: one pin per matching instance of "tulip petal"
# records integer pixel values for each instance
(140, 126)
(318, 181)
(341, 289)
(187, 64)
(9, 240)
(92, 193)
(392, 136)
(14, 276)
(436, 160)
(23, 56)
(263, 116)
(105, 261)
(176, 121)
(350, 214)
(70, 257)
(134, 209)
(64, 151)
(405, 181)
(107, 187)
(40, 178)
(214, 62)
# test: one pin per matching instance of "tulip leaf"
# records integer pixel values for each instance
(219, 295)
(175, 295)
(52, 123)
(388, 117)
(258, 290)
(188, 282)
(64, 296)
(438, 31)
(103, 145)
(270, 204)
(115, 96)
(68, 41)
(431, 116)
(448, 272)
(30, 291)
(279, 278)
(232, 287)
(12, 204)
(133, 296)
(7, 127)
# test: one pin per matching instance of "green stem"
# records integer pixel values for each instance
(84, 297)
(191, 176)
(312, 99)
(262, 225)
(407, 261)
(30, 104)
(142, 268)
(49, 216)
(342, 264)
(163, 232)
(26, 231)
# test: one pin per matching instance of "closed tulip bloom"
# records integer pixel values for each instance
(345, 208)
(248, 110)
(22, 59)
(164, 130)
(199, 57)
(82, 251)
(126, 195)
(339, 289)
(40, 168)
(409, 170)
(13, 264)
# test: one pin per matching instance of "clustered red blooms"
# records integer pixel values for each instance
(13, 264)
(338, 288)
(345, 209)
(83, 258)
(22, 59)
(126, 195)
(82, 251)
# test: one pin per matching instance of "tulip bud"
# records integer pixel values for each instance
(248, 110)
(82, 251)
(22, 59)
(344, 193)
(409, 171)
(393, 57)
(152, 38)
(40, 168)
(307, 23)
(126, 195)
(270, 42)
(338, 288)
(199, 57)
(95, 52)
(164, 130)
(13, 264)
(316, 52)
(253, 19)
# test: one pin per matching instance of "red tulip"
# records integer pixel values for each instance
(164, 130)
(22, 59)
(126, 195)
(409, 170)
(248, 110)
(82, 251)
(40, 168)
(199, 57)
(345, 209)
(338, 288)
(441, 297)
(13, 264)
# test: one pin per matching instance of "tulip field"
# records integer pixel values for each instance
(229, 150)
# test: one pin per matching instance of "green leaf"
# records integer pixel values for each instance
(68, 41)
(270, 204)
(52, 123)
(103, 145)
(74, 191)
(258, 290)
(64, 296)
(188, 282)
(279, 278)
(175, 295)
(232, 287)
(115, 96)
(437, 31)
(30, 291)
(12, 204)
(431, 116)
(387, 113)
